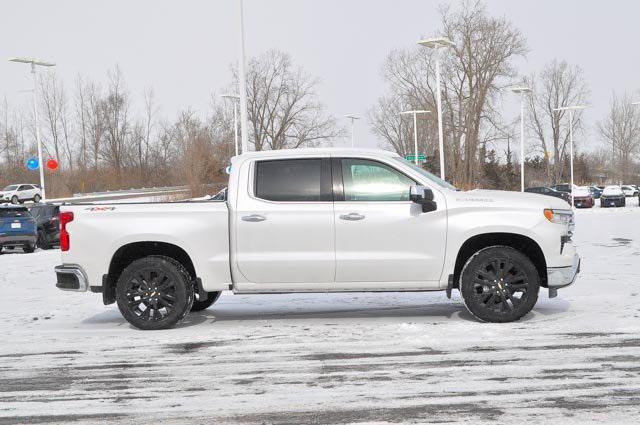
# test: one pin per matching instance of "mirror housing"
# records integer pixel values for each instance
(423, 196)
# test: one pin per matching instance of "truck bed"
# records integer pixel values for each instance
(199, 228)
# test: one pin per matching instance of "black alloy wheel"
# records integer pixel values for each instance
(199, 305)
(154, 292)
(499, 284)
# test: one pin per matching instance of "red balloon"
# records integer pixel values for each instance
(52, 164)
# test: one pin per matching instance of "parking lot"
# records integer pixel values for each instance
(332, 358)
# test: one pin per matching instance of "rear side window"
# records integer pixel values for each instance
(292, 180)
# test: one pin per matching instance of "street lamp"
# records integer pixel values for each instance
(415, 129)
(570, 109)
(437, 44)
(36, 62)
(242, 83)
(352, 118)
(521, 91)
(234, 98)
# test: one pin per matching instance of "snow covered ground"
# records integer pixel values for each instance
(332, 358)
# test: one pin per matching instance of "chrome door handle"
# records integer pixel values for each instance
(352, 217)
(253, 218)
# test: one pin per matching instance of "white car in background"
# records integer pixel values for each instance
(630, 190)
(19, 193)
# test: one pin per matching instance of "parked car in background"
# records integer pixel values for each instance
(543, 190)
(565, 187)
(629, 191)
(17, 228)
(19, 193)
(46, 217)
(612, 196)
(582, 197)
(596, 192)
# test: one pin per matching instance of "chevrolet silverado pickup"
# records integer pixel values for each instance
(320, 220)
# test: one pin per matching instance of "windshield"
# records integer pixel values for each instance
(11, 187)
(425, 173)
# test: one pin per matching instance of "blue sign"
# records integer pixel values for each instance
(32, 164)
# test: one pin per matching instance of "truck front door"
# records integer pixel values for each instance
(381, 236)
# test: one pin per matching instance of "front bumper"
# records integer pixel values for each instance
(71, 277)
(559, 277)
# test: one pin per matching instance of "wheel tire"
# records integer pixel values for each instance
(15, 200)
(490, 299)
(36, 199)
(155, 283)
(29, 248)
(206, 303)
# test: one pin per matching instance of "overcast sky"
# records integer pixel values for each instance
(184, 48)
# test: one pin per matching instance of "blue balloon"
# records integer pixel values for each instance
(32, 164)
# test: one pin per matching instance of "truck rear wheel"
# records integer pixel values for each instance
(499, 284)
(199, 305)
(154, 292)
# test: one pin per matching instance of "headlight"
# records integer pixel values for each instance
(560, 217)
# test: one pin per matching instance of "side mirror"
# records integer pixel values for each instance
(423, 196)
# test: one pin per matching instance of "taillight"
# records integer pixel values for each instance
(65, 217)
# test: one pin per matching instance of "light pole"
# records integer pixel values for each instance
(570, 109)
(352, 118)
(36, 62)
(521, 91)
(242, 84)
(415, 129)
(437, 44)
(234, 98)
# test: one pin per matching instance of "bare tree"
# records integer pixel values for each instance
(397, 131)
(471, 75)
(115, 112)
(621, 129)
(557, 85)
(54, 103)
(283, 108)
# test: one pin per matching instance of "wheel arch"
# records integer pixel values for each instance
(130, 252)
(522, 243)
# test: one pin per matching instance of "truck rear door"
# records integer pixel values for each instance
(285, 224)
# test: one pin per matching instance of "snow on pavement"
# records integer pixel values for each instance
(332, 358)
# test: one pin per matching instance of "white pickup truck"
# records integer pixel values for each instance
(320, 220)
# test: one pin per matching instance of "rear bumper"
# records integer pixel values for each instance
(71, 277)
(559, 277)
(17, 239)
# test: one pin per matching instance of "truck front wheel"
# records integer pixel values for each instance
(499, 284)
(199, 305)
(154, 292)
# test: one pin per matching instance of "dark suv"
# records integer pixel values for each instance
(17, 228)
(550, 192)
(46, 217)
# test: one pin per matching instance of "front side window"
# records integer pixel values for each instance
(289, 180)
(366, 180)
